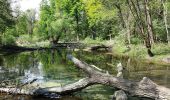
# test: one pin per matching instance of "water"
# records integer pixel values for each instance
(52, 68)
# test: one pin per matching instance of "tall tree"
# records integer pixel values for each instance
(125, 18)
(30, 14)
(137, 14)
(53, 23)
(149, 21)
(75, 9)
(43, 30)
(6, 17)
(165, 13)
(21, 24)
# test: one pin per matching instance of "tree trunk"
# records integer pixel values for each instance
(125, 23)
(120, 14)
(165, 13)
(93, 30)
(138, 18)
(149, 22)
(128, 28)
(77, 23)
(55, 40)
(144, 88)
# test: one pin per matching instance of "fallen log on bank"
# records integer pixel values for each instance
(15, 48)
(144, 88)
(120, 95)
(101, 48)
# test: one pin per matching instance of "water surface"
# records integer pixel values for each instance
(53, 68)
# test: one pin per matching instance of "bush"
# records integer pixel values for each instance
(8, 38)
(135, 40)
(91, 41)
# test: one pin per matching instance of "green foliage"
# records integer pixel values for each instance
(136, 40)
(159, 30)
(44, 17)
(161, 49)
(92, 8)
(8, 37)
(90, 41)
(31, 41)
(25, 39)
(59, 26)
(96, 12)
(6, 18)
(90, 20)
(21, 24)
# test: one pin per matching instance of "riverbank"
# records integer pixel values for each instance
(138, 51)
(161, 53)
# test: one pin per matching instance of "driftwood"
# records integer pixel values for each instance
(101, 47)
(120, 95)
(15, 48)
(144, 88)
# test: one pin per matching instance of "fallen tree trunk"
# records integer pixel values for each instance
(120, 95)
(101, 48)
(144, 88)
(15, 48)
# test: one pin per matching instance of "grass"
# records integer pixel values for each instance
(161, 51)
(28, 41)
(90, 42)
(139, 51)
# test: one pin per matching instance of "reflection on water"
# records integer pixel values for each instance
(52, 67)
(49, 67)
(135, 69)
(35, 72)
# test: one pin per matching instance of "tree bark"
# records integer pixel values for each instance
(142, 27)
(77, 23)
(101, 48)
(149, 22)
(128, 28)
(144, 88)
(165, 13)
(120, 95)
(125, 22)
(120, 14)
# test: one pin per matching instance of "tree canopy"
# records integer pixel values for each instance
(135, 22)
(6, 17)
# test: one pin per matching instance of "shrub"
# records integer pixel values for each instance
(8, 38)
(135, 40)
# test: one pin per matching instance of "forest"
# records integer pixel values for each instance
(126, 22)
(127, 28)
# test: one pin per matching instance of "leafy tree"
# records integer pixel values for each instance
(8, 37)
(30, 15)
(100, 18)
(6, 17)
(44, 17)
(21, 24)
(52, 23)
(6, 22)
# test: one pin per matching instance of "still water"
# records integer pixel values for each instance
(52, 68)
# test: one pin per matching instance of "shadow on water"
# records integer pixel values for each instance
(52, 68)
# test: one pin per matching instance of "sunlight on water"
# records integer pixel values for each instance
(35, 72)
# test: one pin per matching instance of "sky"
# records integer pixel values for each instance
(26, 4)
(29, 4)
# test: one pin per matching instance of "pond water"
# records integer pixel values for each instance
(54, 69)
